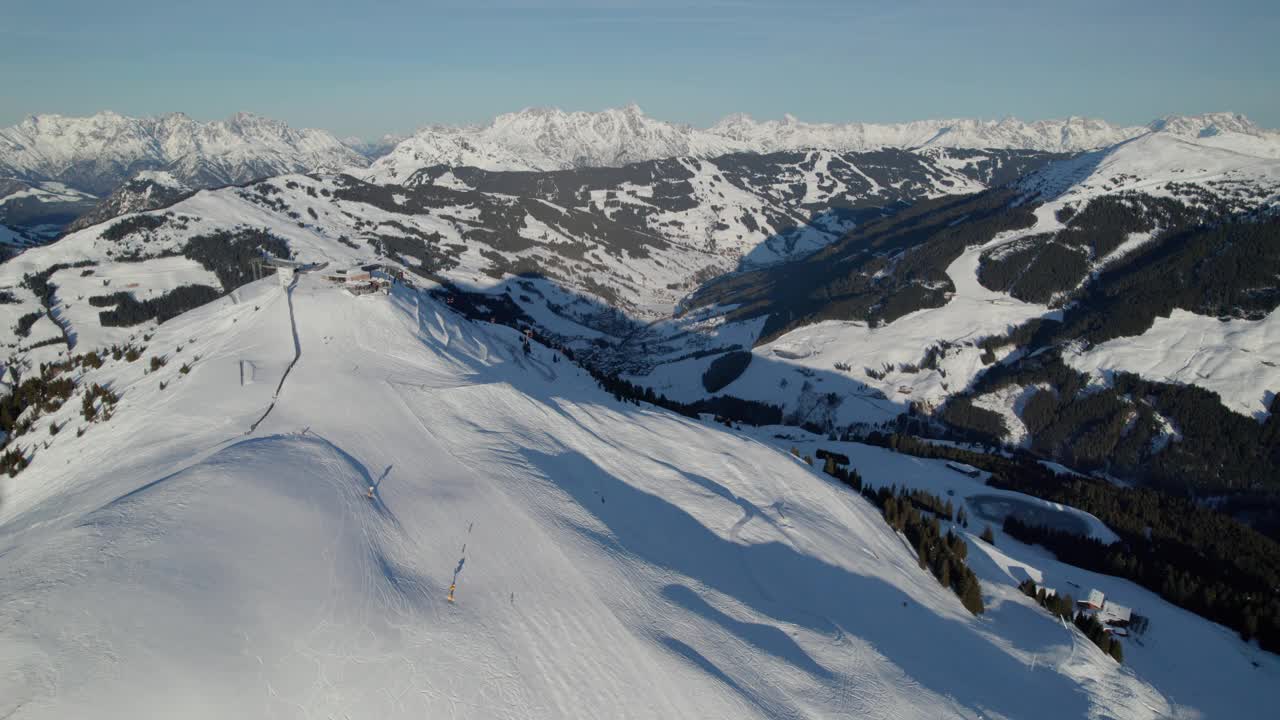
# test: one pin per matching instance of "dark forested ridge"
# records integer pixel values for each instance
(879, 272)
(231, 254)
(1124, 428)
(1192, 555)
(128, 310)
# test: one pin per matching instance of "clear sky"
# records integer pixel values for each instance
(366, 68)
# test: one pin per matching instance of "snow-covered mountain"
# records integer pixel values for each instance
(1155, 256)
(374, 149)
(194, 513)
(550, 139)
(99, 153)
(147, 190)
(638, 238)
(1070, 135)
(313, 504)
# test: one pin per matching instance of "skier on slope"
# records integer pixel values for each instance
(370, 492)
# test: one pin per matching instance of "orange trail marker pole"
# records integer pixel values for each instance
(451, 589)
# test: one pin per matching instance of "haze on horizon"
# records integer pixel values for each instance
(399, 65)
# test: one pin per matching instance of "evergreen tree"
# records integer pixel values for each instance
(1117, 651)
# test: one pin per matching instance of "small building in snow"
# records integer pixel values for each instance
(1115, 614)
(1094, 601)
(963, 469)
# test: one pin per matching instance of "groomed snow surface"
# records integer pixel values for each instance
(610, 560)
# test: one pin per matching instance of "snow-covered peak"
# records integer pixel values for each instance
(1206, 124)
(99, 152)
(790, 133)
(1161, 163)
(550, 139)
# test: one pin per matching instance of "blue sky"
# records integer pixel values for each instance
(375, 67)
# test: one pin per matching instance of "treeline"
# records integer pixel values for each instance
(1226, 270)
(38, 282)
(882, 270)
(1121, 428)
(943, 555)
(725, 369)
(231, 254)
(724, 407)
(32, 397)
(1040, 267)
(24, 324)
(904, 510)
(1037, 269)
(1191, 555)
(128, 310)
(1063, 607)
(1195, 558)
(123, 228)
(46, 392)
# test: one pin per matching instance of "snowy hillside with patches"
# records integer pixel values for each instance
(910, 311)
(325, 505)
(613, 247)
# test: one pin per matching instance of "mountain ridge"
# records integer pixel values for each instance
(542, 139)
(98, 153)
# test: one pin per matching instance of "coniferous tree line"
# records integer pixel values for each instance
(502, 310)
(32, 397)
(231, 254)
(1119, 428)
(1198, 571)
(1191, 555)
(1224, 270)
(883, 269)
(725, 407)
(916, 514)
(121, 229)
(39, 284)
(24, 324)
(943, 554)
(128, 310)
(725, 369)
(45, 392)
(1040, 267)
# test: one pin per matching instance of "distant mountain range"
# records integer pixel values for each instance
(551, 139)
(89, 169)
(98, 154)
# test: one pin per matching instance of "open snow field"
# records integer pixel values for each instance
(1238, 359)
(608, 560)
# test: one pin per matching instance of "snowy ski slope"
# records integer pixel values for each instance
(609, 560)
